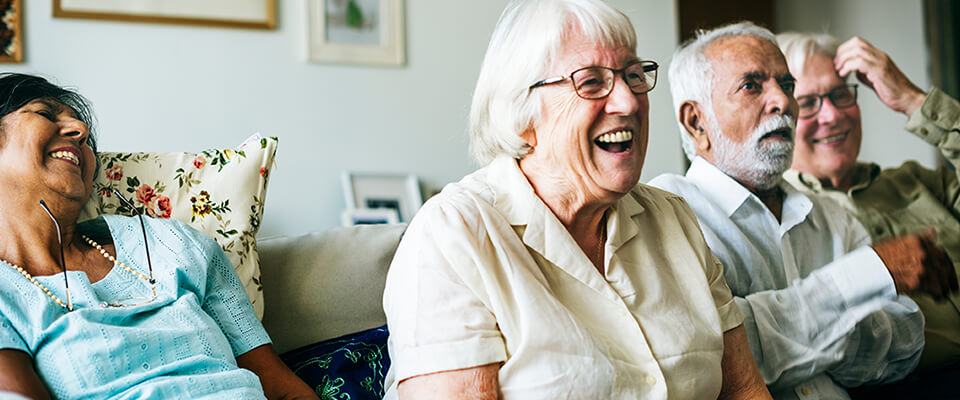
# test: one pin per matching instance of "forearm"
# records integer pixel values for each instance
(277, 380)
(741, 378)
(477, 383)
(17, 375)
(799, 331)
(885, 346)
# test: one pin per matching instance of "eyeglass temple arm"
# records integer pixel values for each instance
(63, 264)
(143, 228)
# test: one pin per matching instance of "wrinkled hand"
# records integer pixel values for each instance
(918, 265)
(875, 69)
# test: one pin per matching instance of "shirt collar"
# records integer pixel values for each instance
(863, 175)
(725, 192)
(729, 195)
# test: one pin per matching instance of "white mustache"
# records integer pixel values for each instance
(773, 123)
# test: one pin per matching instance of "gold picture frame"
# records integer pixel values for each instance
(356, 31)
(251, 14)
(11, 31)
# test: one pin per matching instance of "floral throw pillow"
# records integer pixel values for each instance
(220, 192)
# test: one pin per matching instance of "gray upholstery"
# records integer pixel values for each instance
(325, 284)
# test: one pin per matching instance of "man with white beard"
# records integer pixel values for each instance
(821, 304)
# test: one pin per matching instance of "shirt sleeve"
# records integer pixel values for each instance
(938, 122)
(224, 298)
(436, 306)
(845, 319)
(9, 337)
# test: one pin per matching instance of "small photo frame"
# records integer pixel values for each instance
(369, 216)
(254, 14)
(11, 32)
(356, 31)
(396, 192)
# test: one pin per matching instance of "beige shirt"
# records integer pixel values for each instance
(486, 273)
(911, 199)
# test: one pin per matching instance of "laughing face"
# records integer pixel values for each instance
(751, 129)
(43, 147)
(595, 147)
(828, 142)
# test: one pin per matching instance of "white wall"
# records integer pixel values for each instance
(894, 26)
(185, 88)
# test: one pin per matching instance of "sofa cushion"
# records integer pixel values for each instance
(325, 284)
(348, 367)
(220, 192)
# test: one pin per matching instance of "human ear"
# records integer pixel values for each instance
(693, 121)
(530, 136)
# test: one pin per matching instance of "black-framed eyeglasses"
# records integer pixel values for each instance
(596, 82)
(126, 302)
(841, 97)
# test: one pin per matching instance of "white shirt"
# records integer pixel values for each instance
(486, 273)
(821, 308)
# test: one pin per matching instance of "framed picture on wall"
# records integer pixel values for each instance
(11, 32)
(258, 14)
(355, 31)
(369, 216)
(392, 192)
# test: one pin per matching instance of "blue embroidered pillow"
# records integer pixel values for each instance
(352, 366)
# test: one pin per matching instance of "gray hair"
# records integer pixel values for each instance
(796, 47)
(527, 40)
(691, 73)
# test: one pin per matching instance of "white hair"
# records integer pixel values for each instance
(691, 73)
(527, 40)
(796, 47)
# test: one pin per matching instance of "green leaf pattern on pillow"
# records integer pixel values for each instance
(219, 192)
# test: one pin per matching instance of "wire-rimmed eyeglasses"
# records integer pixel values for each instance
(126, 302)
(841, 97)
(597, 82)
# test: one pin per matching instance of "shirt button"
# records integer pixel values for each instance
(145, 366)
(878, 230)
(923, 131)
(805, 390)
(650, 381)
(934, 115)
(143, 346)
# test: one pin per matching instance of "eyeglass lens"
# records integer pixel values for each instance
(842, 97)
(597, 82)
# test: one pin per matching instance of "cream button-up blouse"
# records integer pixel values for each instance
(486, 273)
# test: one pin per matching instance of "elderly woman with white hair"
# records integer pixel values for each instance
(551, 273)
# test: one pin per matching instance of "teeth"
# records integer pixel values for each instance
(829, 139)
(616, 137)
(66, 155)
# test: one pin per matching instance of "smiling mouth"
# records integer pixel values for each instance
(831, 139)
(67, 156)
(615, 142)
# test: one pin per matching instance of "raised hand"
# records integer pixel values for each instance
(918, 265)
(875, 69)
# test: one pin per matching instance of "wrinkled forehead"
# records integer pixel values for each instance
(733, 56)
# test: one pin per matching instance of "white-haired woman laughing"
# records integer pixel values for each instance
(550, 273)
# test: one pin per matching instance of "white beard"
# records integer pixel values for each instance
(754, 162)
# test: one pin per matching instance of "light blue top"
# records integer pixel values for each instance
(182, 345)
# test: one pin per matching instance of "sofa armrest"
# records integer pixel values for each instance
(325, 284)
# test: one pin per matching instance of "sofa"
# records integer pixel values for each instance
(325, 284)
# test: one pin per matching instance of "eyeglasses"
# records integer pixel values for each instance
(596, 82)
(126, 302)
(841, 97)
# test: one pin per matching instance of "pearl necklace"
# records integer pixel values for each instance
(102, 252)
(115, 261)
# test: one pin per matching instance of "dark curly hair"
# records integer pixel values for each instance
(16, 90)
